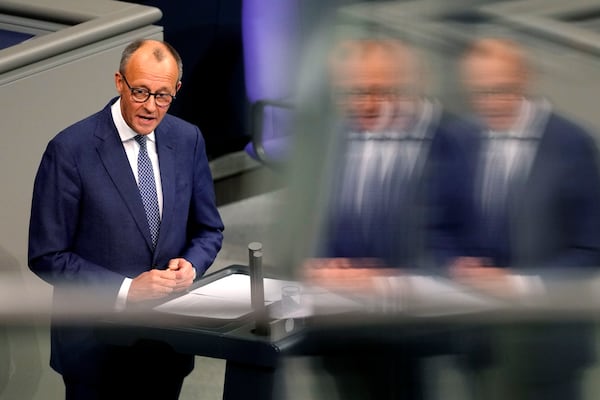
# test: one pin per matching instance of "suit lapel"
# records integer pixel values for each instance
(166, 155)
(113, 156)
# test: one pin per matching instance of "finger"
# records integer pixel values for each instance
(164, 291)
(173, 264)
(166, 280)
(182, 286)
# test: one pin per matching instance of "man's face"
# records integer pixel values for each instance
(374, 92)
(144, 71)
(496, 86)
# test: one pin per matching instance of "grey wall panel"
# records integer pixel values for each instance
(86, 22)
(39, 100)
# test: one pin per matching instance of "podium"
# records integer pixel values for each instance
(252, 358)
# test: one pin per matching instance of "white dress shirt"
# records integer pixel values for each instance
(509, 155)
(132, 148)
(373, 156)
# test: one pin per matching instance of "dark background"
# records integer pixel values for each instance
(208, 36)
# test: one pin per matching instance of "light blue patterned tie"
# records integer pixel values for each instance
(147, 188)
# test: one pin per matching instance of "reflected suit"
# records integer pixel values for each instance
(395, 224)
(553, 213)
(550, 228)
(397, 228)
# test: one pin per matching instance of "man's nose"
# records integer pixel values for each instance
(150, 103)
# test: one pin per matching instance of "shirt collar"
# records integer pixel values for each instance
(528, 125)
(124, 130)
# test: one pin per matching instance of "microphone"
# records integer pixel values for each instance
(257, 291)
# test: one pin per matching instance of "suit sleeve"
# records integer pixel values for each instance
(54, 224)
(205, 226)
(581, 208)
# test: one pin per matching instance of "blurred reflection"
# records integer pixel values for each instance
(534, 196)
(376, 89)
(537, 176)
(395, 145)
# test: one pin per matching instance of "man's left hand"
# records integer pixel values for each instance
(185, 273)
(479, 274)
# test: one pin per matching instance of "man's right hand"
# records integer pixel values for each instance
(345, 274)
(153, 284)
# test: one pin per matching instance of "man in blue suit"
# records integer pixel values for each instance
(93, 230)
(531, 212)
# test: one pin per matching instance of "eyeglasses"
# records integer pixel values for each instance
(378, 94)
(141, 95)
(498, 93)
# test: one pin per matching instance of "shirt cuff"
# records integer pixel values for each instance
(122, 295)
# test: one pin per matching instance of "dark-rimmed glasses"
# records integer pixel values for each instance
(141, 95)
(506, 92)
(374, 93)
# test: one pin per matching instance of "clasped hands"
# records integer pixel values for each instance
(479, 273)
(345, 274)
(159, 283)
(356, 275)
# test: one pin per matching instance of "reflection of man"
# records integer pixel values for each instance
(393, 143)
(394, 140)
(124, 208)
(535, 206)
(537, 188)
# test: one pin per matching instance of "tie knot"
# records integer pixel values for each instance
(141, 139)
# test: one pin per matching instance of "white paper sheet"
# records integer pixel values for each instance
(226, 298)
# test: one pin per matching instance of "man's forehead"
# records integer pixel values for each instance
(495, 56)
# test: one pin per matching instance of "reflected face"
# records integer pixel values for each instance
(144, 71)
(496, 87)
(374, 91)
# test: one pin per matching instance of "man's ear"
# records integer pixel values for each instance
(118, 81)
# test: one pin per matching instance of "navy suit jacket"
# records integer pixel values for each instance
(88, 226)
(554, 215)
(413, 219)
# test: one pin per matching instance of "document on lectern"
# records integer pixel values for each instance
(225, 298)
